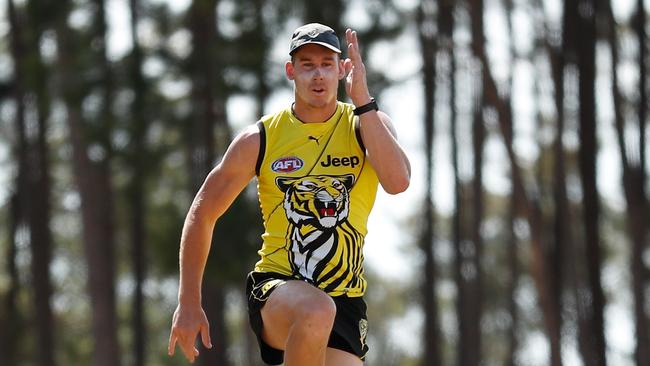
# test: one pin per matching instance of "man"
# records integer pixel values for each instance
(318, 165)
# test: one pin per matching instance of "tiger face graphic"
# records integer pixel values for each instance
(322, 200)
(317, 208)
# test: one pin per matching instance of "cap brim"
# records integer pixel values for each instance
(327, 45)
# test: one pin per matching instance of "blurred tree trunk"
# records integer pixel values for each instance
(330, 15)
(93, 182)
(526, 207)
(640, 26)
(634, 179)
(428, 47)
(34, 176)
(262, 90)
(208, 111)
(574, 249)
(513, 266)
(136, 190)
(587, 161)
(512, 242)
(446, 25)
(559, 236)
(11, 334)
(473, 273)
(38, 186)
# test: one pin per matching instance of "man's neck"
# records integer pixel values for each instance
(311, 114)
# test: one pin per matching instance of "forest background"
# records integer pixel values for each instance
(523, 239)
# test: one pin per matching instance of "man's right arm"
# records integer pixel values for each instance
(219, 190)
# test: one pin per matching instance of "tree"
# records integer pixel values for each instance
(586, 51)
(34, 176)
(472, 356)
(512, 241)
(208, 111)
(11, 335)
(137, 196)
(92, 175)
(634, 175)
(429, 49)
(527, 205)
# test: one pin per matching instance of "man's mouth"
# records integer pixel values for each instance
(318, 90)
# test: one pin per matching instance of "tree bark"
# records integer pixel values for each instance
(263, 90)
(11, 333)
(41, 239)
(34, 177)
(561, 235)
(136, 189)
(513, 250)
(634, 178)
(472, 349)
(428, 48)
(587, 161)
(526, 207)
(635, 183)
(93, 182)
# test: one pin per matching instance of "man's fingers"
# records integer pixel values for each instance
(353, 45)
(172, 344)
(189, 350)
(205, 335)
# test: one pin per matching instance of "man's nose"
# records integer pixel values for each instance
(317, 73)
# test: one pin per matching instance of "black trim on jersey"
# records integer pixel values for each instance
(260, 154)
(357, 132)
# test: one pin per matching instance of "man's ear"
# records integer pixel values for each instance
(342, 72)
(288, 69)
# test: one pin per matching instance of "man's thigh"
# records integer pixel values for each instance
(336, 357)
(281, 309)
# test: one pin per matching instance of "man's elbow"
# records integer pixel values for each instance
(397, 185)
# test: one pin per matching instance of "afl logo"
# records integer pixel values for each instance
(287, 165)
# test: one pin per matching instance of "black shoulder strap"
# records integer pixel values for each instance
(260, 154)
(357, 132)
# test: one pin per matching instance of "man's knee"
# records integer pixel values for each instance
(298, 308)
(318, 311)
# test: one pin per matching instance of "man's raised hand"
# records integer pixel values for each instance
(356, 85)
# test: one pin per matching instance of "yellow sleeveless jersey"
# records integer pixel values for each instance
(316, 190)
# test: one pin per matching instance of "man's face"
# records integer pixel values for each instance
(316, 72)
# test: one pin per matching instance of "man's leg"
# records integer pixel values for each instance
(298, 319)
(336, 357)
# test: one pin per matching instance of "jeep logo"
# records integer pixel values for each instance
(350, 161)
(287, 165)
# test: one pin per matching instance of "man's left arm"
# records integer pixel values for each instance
(384, 152)
(378, 134)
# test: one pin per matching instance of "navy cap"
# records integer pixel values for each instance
(317, 34)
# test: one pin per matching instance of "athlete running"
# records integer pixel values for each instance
(318, 164)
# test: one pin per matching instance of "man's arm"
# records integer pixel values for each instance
(219, 190)
(384, 152)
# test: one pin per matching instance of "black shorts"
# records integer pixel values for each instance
(350, 324)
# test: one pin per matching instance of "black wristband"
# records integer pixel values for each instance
(372, 106)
